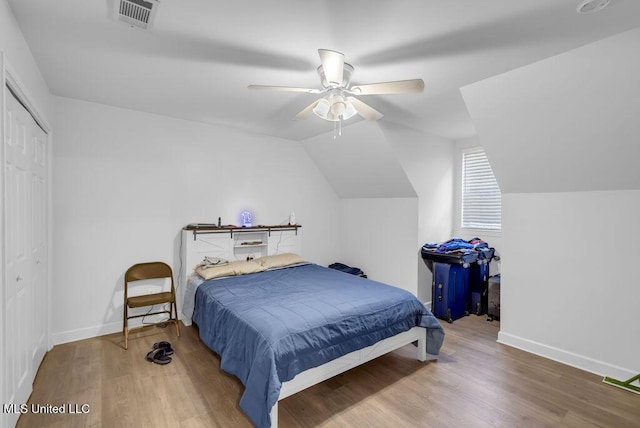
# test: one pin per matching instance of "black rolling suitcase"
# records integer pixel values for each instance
(479, 288)
(479, 281)
(493, 304)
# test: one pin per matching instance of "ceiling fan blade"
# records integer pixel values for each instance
(398, 87)
(365, 110)
(306, 111)
(333, 65)
(284, 89)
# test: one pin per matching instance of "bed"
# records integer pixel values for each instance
(284, 328)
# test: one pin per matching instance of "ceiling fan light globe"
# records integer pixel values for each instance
(349, 112)
(338, 108)
(335, 96)
(321, 109)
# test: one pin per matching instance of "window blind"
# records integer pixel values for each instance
(481, 199)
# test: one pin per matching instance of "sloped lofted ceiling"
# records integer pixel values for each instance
(564, 124)
(361, 164)
(197, 60)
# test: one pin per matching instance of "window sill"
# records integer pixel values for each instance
(479, 232)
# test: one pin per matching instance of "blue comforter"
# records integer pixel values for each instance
(267, 327)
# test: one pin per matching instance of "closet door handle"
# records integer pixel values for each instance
(38, 261)
(18, 278)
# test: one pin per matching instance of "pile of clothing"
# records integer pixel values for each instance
(457, 244)
(457, 250)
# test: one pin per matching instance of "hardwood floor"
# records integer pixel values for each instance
(475, 383)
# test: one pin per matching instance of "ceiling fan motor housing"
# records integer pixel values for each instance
(346, 76)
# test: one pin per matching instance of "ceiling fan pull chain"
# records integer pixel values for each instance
(337, 128)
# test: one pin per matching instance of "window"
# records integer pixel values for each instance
(481, 200)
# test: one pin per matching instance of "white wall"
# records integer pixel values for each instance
(126, 182)
(21, 63)
(378, 209)
(396, 185)
(428, 162)
(378, 235)
(570, 281)
(568, 124)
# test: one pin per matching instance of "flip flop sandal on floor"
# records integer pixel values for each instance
(158, 356)
(168, 350)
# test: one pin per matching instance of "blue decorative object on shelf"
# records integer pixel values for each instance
(246, 219)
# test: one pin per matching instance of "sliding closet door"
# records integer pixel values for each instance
(25, 213)
(38, 245)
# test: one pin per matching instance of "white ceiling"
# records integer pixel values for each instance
(197, 60)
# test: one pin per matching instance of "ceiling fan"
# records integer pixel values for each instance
(338, 100)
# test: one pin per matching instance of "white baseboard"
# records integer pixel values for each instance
(565, 357)
(86, 333)
(100, 330)
(95, 331)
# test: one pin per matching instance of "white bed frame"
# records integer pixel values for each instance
(224, 245)
(328, 370)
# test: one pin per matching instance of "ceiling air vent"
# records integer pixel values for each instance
(136, 13)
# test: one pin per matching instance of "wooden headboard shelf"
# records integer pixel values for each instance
(202, 228)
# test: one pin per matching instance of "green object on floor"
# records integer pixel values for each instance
(624, 384)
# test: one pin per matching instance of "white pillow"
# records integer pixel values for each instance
(230, 269)
(279, 260)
